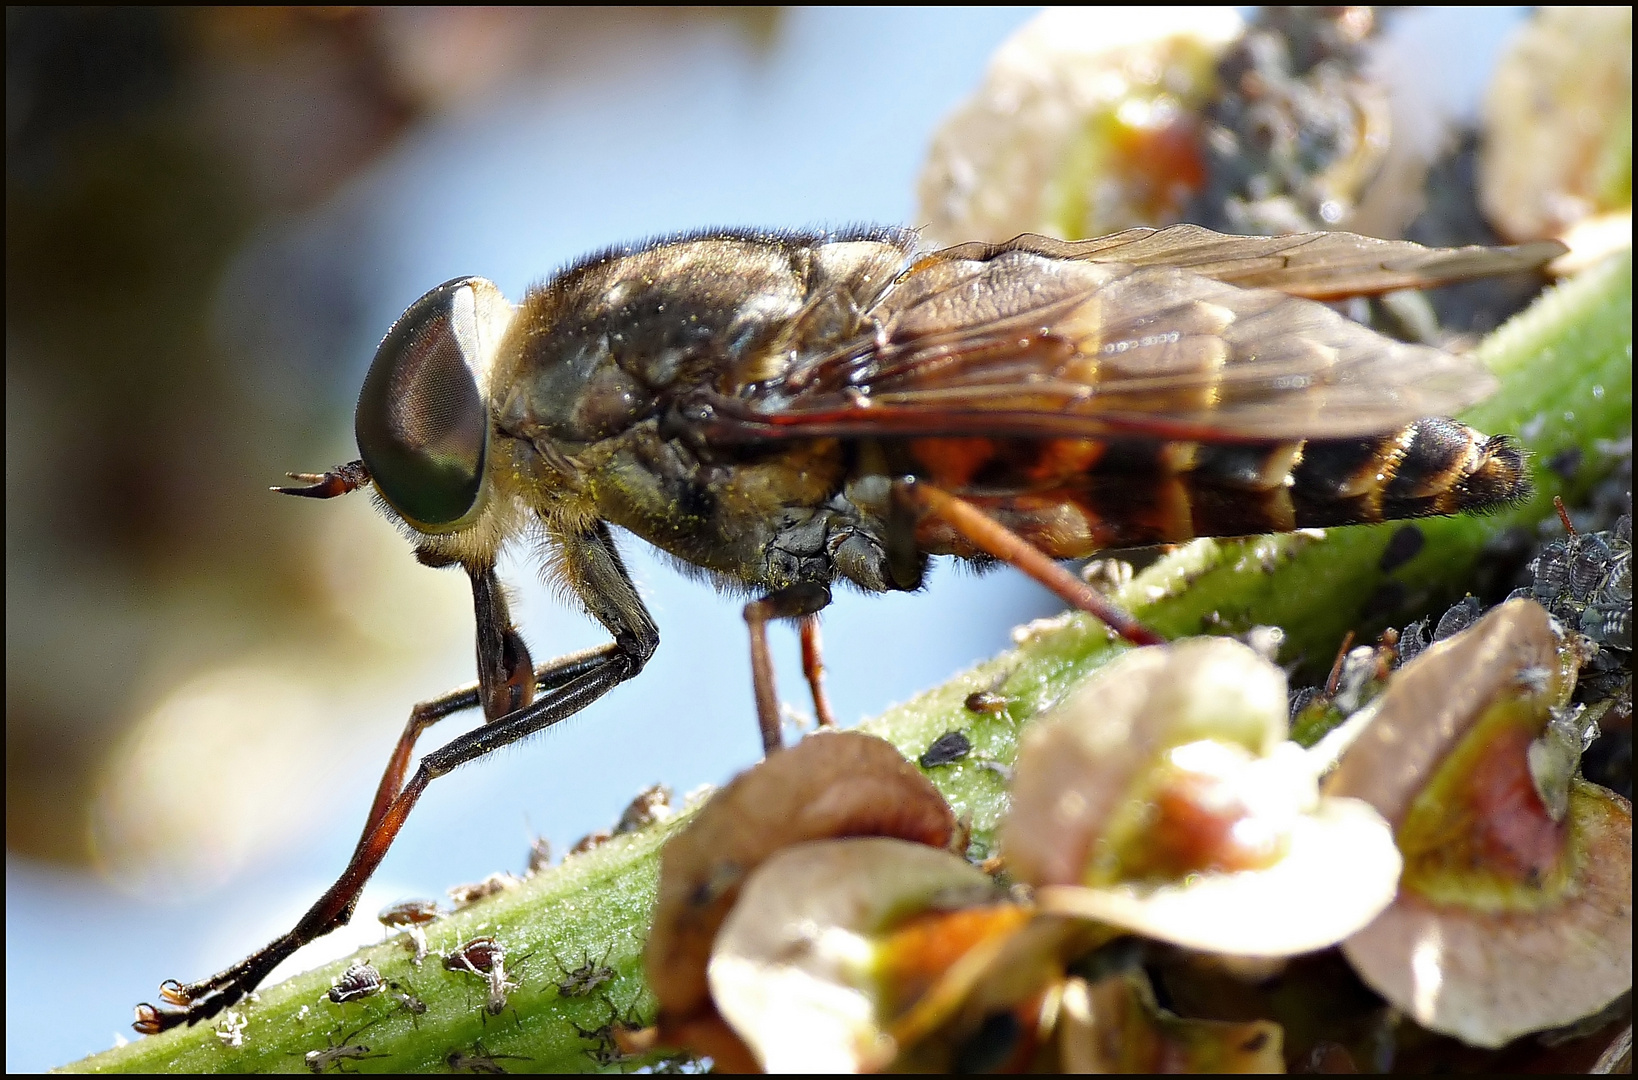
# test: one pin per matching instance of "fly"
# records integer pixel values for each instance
(793, 411)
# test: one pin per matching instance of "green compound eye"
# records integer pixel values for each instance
(421, 424)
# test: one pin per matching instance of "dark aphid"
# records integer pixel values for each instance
(359, 981)
(948, 748)
(407, 999)
(790, 412)
(1585, 581)
(479, 1060)
(1403, 546)
(605, 1050)
(585, 979)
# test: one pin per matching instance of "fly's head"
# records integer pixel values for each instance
(425, 429)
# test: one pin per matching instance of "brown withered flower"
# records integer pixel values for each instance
(1514, 913)
(830, 785)
(1114, 1025)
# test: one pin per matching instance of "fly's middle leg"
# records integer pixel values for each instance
(813, 667)
(794, 601)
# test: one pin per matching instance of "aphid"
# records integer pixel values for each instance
(467, 895)
(410, 913)
(947, 749)
(990, 700)
(410, 916)
(586, 978)
(486, 958)
(651, 804)
(407, 999)
(338, 1054)
(590, 842)
(985, 701)
(793, 411)
(540, 856)
(479, 1060)
(359, 981)
(231, 1030)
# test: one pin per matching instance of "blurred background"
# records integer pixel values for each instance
(213, 216)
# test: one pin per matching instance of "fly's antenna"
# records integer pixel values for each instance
(338, 481)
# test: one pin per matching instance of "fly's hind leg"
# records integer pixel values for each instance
(791, 602)
(995, 539)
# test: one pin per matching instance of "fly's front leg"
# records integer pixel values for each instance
(507, 682)
(794, 601)
(994, 538)
(564, 688)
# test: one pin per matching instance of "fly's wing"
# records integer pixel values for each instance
(1046, 339)
(1318, 266)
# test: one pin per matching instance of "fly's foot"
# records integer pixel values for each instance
(186, 1005)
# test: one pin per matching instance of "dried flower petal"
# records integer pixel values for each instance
(1085, 124)
(1509, 918)
(1160, 797)
(1558, 123)
(797, 970)
(832, 784)
(1115, 1026)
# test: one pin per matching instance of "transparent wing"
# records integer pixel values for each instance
(1041, 338)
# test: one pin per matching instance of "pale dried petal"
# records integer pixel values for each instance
(1510, 918)
(1038, 147)
(1340, 870)
(1077, 764)
(1489, 977)
(831, 784)
(1558, 123)
(793, 967)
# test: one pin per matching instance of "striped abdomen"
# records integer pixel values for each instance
(1074, 497)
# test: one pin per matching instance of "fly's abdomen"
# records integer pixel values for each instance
(1075, 497)
(1434, 466)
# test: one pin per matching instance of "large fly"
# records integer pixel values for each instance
(793, 411)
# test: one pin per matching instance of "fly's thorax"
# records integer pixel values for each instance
(616, 340)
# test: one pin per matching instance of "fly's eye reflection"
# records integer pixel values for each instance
(790, 411)
(422, 426)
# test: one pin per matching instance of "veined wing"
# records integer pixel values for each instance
(1028, 340)
(1318, 265)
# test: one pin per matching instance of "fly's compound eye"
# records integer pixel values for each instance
(422, 425)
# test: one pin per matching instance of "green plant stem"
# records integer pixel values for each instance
(1567, 382)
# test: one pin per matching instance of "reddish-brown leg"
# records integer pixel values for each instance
(792, 602)
(995, 539)
(763, 688)
(814, 668)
